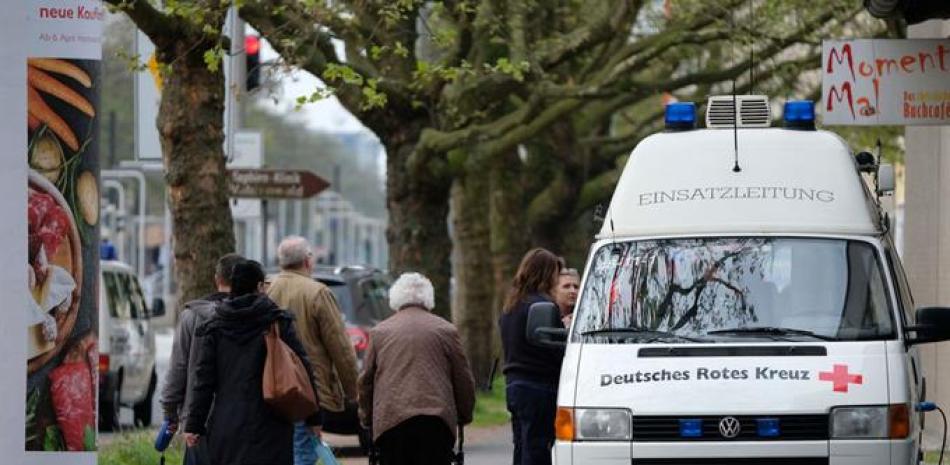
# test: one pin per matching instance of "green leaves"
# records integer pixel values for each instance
(213, 58)
(338, 73)
(316, 96)
(515, 70)
(372, 97)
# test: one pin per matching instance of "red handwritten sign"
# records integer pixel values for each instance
(884, 82)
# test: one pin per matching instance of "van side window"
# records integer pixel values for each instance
(118, 303)
(125, 288)
(137, 297)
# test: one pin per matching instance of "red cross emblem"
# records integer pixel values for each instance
(840, 378)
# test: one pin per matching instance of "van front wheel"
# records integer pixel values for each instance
(143, 409)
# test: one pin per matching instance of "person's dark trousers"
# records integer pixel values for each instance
(197, 455)
(420, 440)
(532, 407)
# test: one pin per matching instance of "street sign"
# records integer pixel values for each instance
(274, 184)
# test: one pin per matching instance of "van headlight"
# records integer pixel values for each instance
(859, 422)
(600, 424)
(871, 422)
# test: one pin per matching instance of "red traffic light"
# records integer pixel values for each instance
(252, 45)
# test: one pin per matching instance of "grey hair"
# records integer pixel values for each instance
(411, 289)
(293, 252)
(571, 272)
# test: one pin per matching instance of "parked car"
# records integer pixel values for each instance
(363, 296)
(126, 346)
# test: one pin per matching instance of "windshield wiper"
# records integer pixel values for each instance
(772, 331)
(637, 333)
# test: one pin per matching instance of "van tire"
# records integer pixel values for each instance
(109, 408)
(143, 409)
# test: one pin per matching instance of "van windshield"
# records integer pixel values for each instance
(751, 289)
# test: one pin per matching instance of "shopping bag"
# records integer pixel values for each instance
(286, 384)
(324, 454)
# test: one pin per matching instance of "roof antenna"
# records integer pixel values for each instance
(751, 49)
(735, 128)
(735, 106)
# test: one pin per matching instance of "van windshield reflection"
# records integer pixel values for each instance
(749, 289)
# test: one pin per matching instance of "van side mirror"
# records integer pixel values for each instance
(933, 325)
(544, 326)
(885, 179)
(158, 307)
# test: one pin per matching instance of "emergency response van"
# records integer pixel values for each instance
(742, 304)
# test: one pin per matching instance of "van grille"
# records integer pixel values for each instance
(791, 428)
(737, 461)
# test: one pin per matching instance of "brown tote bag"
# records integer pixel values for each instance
(287, 386)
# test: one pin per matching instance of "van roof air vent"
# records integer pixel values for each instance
(754, 111)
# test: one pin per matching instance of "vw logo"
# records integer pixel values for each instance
(729, 427)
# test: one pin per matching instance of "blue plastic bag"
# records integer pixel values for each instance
(324, 454)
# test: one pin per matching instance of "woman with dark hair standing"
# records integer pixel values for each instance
(531, 371)
(242, 429)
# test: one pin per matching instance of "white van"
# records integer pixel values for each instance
(126, 346)
(742, 309)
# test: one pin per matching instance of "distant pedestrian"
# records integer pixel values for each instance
(531, 371)
(229, 366)
(321, 329)
(416, 385)
(180, 372)
(568, 285)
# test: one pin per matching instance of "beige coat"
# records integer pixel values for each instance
(320, 327)
(415, 366)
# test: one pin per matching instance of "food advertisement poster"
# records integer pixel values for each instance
(886, 82)
(61, 274)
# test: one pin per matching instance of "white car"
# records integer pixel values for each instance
(126, 346)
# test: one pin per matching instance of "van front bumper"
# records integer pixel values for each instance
(836, 452)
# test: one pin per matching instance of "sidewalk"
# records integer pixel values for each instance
(483, 446)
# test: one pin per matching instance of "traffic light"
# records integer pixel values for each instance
(252, 62)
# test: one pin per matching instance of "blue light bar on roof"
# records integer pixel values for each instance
(800, 114)
(680, 115)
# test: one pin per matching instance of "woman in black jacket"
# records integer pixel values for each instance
(242, 429)
(531, 371)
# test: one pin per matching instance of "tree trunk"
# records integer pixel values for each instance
(190, 125)
(418, 233)
(509, 232)
(473, 309)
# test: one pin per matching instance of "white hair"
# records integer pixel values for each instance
(411, 289)
(293, 252)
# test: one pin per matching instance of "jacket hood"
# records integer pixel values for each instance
(244, 318)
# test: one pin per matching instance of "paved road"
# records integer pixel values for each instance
(488, 446)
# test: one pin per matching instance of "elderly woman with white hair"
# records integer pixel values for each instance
(416, 386)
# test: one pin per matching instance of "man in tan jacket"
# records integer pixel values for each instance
(320, 327)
